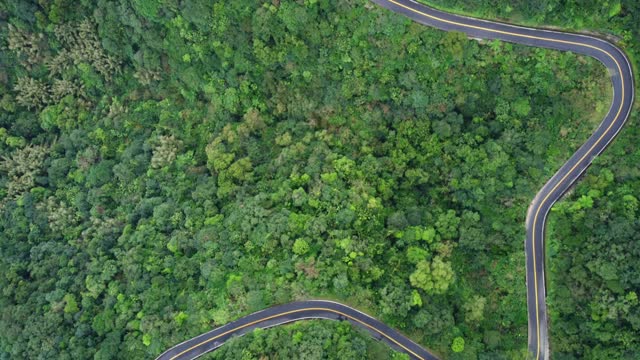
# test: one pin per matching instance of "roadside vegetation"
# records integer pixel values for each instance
(168, 167)
(618, 18)
(312, 340)
(593, 247)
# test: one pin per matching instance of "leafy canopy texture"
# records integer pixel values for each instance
(169, 166)
(433, 277)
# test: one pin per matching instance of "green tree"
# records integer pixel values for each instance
(458, 344)
(433, 277)
(300, 247)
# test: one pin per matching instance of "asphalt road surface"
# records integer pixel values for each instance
(282, 314)
(623, 92)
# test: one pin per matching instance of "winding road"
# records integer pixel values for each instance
(623, 93)
(282, 314)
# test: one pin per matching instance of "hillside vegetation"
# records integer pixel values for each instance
(594, 251)
(170, 166)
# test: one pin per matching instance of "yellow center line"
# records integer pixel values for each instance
(292, 312)
(535, 218)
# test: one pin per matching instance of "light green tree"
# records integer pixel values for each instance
(434, 277)
(458, 344)
(300, 247)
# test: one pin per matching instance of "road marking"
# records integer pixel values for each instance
(292, 312)
(541, 203)
(596, 143)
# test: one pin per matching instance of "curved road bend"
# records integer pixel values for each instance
(623, 92)
(282, 314)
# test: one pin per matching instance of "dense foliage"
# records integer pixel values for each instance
(308, 340)
(594, 251)
(618, 18)
(170, 166)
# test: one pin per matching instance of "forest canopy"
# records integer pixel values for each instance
(170, 166)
